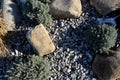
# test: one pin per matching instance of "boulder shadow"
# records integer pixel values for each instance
(17, 42)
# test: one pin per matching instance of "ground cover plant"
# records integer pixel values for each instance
(101, 38)
(29, 68)
(37, 11)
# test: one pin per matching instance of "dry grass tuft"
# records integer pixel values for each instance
(3, 31)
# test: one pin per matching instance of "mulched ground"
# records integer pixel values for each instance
(72, 59)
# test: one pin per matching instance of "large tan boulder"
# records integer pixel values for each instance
(107, 67)
(105, 6)
(11, 14)
(66, 8)
(40, 40)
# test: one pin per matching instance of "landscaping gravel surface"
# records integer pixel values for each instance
(72, 59)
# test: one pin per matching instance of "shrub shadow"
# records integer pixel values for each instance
(5, 65)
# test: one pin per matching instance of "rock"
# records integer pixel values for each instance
(105, 6)
(66, 8)
(107, 67)
(11, 14)
(40, 40)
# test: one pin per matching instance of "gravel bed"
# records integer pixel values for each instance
(72, 59)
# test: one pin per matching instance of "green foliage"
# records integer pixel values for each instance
(101, 38)
(45, 1)
(37, 11)
(29, 68)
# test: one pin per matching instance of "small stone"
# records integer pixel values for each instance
(64, 69)
(80, 55)
(12, 53)
(94, 79)
(68, 49)
(51, 78)
(69, 70)
(75, 57)
(16, 52)
(73, 75)
(59, 68)
(71, 52)
(62, 24)
(40, 40)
